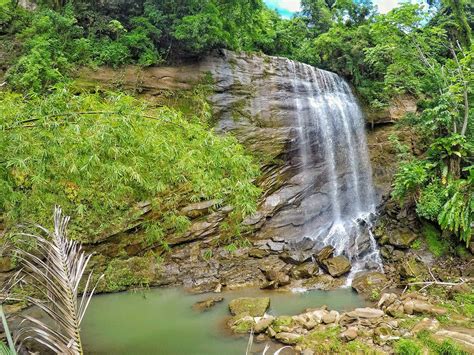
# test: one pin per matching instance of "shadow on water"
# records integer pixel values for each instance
(162, 321)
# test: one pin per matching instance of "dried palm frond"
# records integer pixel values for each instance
(55, 270)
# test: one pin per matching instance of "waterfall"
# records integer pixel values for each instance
(331, 133)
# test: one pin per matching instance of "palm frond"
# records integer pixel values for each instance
(56, 270)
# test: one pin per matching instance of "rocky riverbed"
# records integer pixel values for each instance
(395, 317)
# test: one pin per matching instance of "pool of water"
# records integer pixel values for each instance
(162, 321)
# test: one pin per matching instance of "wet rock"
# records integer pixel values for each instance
(368, 282)
(402, 239)
(202, 306)
(304, 271)
(296, 257)
(350, 334)
(288, 338)
(337, 266)
(325, 253)
(255, 307)
(263, 324)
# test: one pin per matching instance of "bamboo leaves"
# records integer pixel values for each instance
(101, 164)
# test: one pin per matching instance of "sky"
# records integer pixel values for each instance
(287, 7)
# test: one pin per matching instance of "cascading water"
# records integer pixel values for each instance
(331, 133)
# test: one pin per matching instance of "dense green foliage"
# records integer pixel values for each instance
(100, 155)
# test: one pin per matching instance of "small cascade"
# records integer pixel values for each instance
(331, 133)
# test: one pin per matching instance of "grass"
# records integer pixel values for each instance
(425, 343)
(407, 347)
(327, 341)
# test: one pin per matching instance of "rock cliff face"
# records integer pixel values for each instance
(251, 101)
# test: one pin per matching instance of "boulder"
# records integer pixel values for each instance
(303, 244)
(275, 278)
(411, 268)
(425, 307)
(255, 307)
(386, 251)
(304, 271)
(337, 266)
(288, 338)
(202, 306)
(402, 239)
(350, 334)
(331, 317)
(296, 257)
(242, 323)
(263, 324)
(325, 253)
(368, 282)
(387, 299)
(408, 307)
(323, 282)
(366, 313)
(283, 324)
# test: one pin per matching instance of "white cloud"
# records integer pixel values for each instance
(290, 5)
(385, 6)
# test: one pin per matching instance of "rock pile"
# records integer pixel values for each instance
(396, 317)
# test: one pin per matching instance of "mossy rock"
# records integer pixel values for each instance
(369, 283)
(280, 322)
(255, 307)
(402, 239)
(412, 269)
(242, 323)
(137, 271)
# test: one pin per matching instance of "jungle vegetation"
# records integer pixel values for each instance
(425, 52)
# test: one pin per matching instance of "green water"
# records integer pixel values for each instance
(161, 321)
